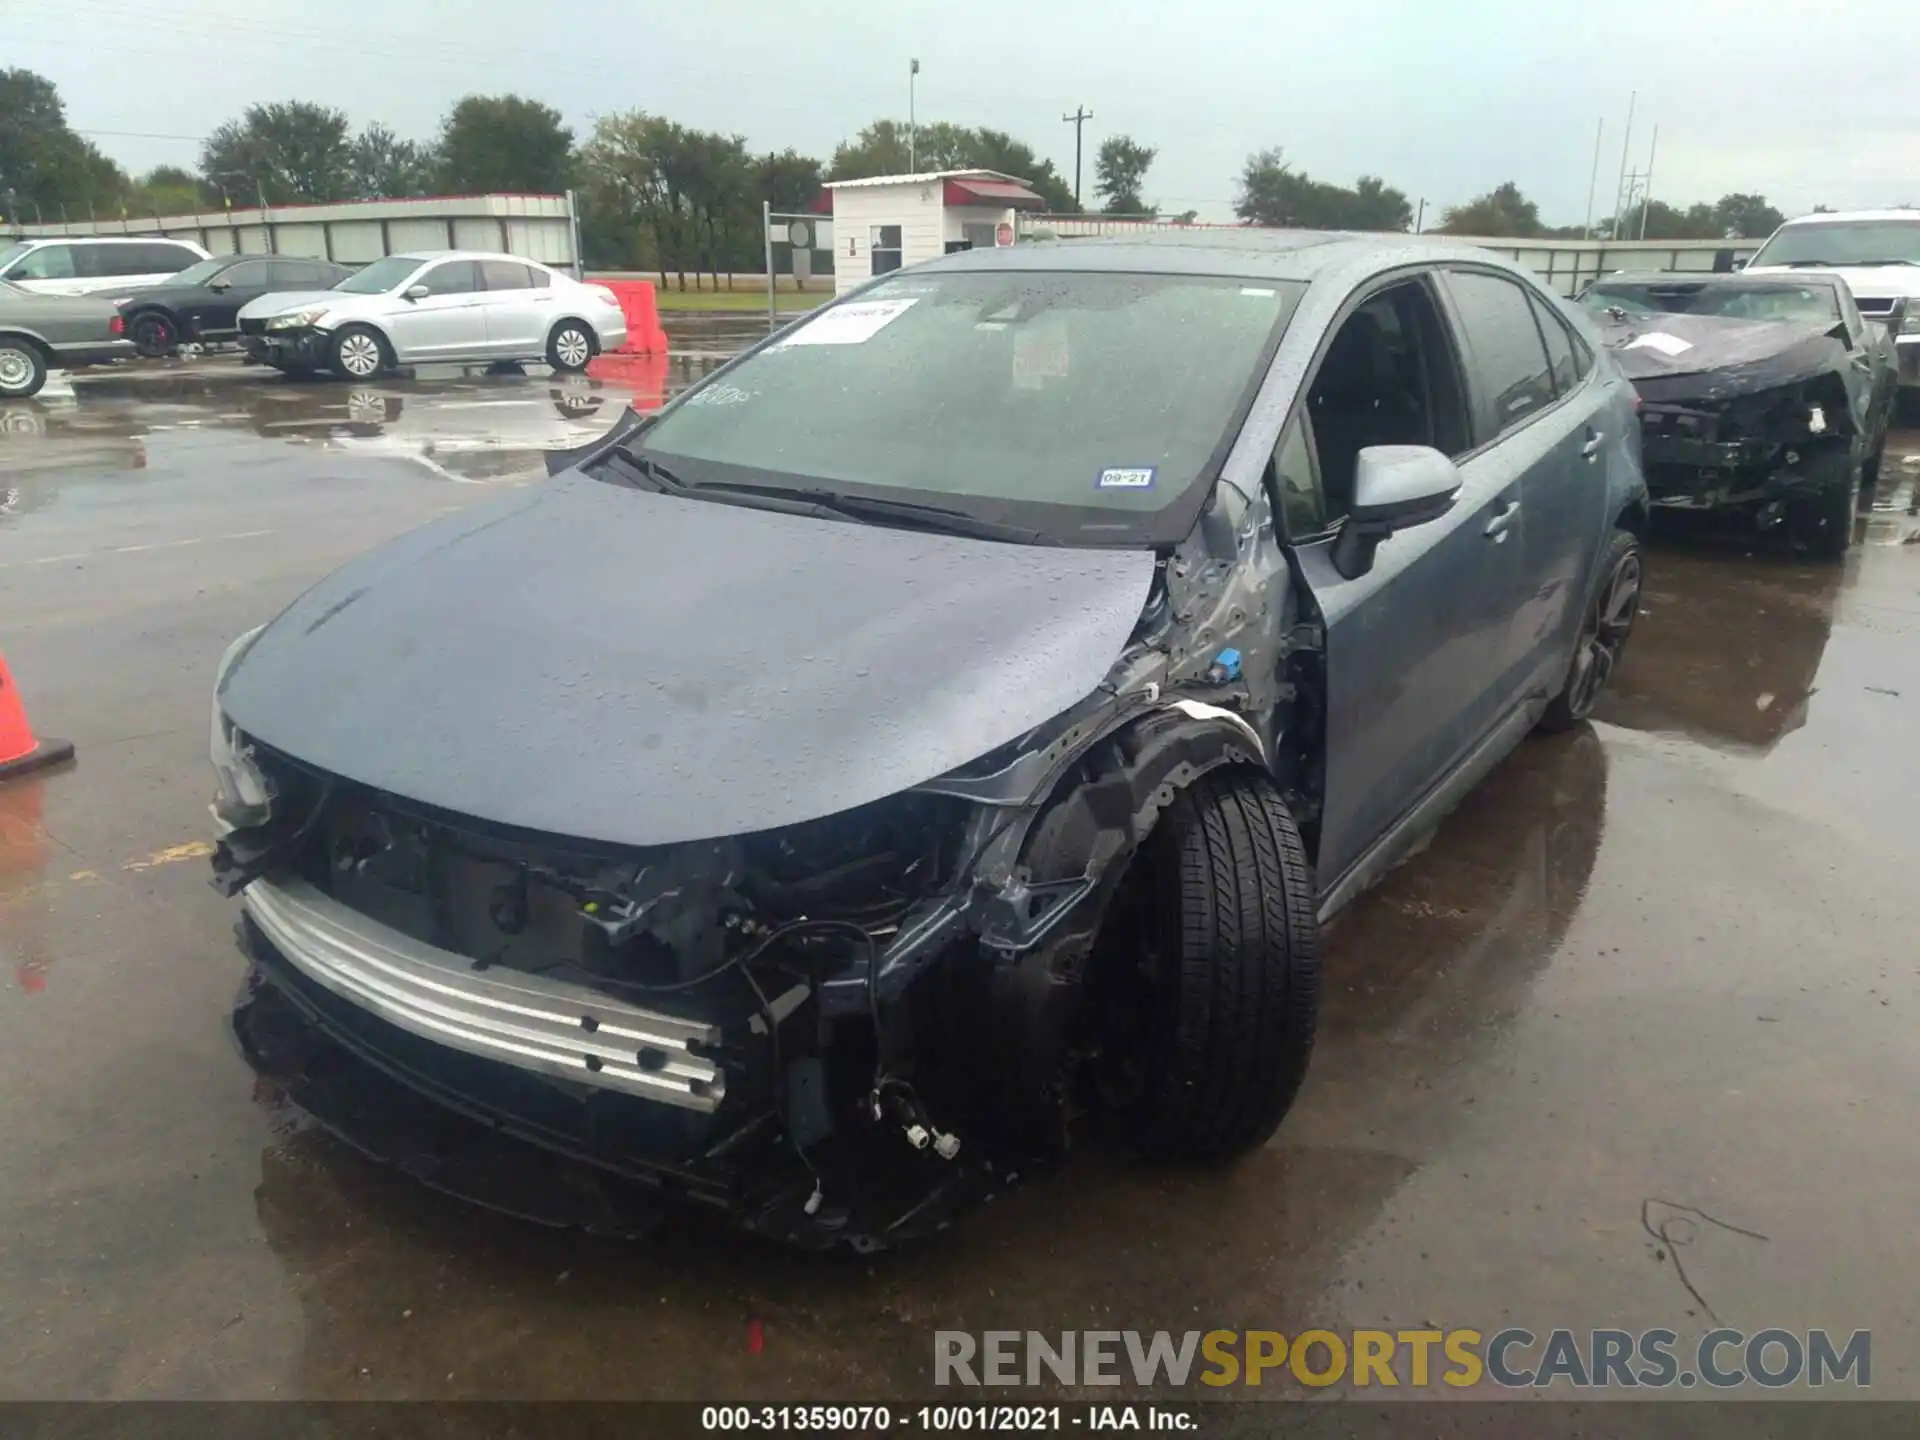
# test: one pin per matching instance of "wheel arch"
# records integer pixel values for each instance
(29, 338)
(592, 333)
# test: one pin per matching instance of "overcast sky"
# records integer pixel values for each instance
(1806, 103)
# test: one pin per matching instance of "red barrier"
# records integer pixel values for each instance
(645, 375)
(645, 335)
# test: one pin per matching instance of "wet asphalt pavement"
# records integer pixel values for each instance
(1669, 958)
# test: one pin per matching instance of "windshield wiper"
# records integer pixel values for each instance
(831, 502)
(1864, 264)
(911, 513)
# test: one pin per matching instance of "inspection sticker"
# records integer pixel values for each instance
(853, 324)
(1138, 477)
(1666, 344)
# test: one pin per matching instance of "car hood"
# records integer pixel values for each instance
(1711, 357)
(617, 665)
(282, 300)
(1867, 282)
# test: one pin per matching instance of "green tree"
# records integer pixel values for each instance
(636, 173)
(385, 167)
(1503, 210)
(788, 181)
(1661, 221)
(505, 143)
(288, 152)
(166, 190)
(46, 170)
(1746, 217)
(1273, 193)
(1119, 172)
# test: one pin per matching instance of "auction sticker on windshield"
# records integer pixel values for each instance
(1130, 477)
(853, 324)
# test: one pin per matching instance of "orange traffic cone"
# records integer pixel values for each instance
(19, 751)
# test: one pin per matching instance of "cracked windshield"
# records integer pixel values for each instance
(1050, 718)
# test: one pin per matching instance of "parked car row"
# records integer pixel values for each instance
(305, 316)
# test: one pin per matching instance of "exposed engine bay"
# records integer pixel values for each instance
(836, 1031)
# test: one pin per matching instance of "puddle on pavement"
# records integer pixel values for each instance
(468, 424)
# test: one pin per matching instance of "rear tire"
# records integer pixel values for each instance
(1211, 982)
(570, 347)
(1604, 629)
(23, 369)
(153, 334)
(358, 353)
(1822, 521)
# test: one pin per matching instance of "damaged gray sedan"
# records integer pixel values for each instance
(950, 721)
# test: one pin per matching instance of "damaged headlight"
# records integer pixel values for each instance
(242, 794)
(298, 319)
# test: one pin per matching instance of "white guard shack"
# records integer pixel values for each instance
(889, 221)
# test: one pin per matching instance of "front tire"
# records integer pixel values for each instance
(1207, 992)
(23, 369)
(358, 353)
(1603, 634)
(570, 347)
(154, 335)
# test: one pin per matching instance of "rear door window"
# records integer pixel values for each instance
(505, 275)
(1507, 358)
(248, 274)
(1560, 352)
(161, 258)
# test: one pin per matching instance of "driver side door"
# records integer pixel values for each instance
(1417, 647)
(449, 322)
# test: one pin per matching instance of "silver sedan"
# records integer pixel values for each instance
(41, 332)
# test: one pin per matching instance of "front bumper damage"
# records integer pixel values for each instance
(1757, 451)
(839, 1031)
(300, 349)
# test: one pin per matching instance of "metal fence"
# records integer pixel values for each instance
(538, 227)
(1565, 266)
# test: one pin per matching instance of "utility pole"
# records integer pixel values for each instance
(1620, 194)
(1420, 216)
(913, 124)
(1078, 120)
(1646, 190)
(1586, 229)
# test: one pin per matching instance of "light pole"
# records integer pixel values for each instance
(913, 124)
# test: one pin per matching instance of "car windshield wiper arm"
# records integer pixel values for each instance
(910, 512)
(853, 507)
(1867, 263)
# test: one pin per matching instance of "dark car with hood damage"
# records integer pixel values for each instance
(1768, 396)
(948, 723)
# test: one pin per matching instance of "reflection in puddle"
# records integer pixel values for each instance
(465, 424)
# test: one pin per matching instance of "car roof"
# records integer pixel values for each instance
(1734, 277)
(425, 255)
(1246, 252)
(112, 240)
(1842, 216)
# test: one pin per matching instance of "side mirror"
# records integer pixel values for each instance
(1739, 264)
(219, 287)
(1395, 487)
(416, 292)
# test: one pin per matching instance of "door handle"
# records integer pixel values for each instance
(1591, 450)
(1502, 521)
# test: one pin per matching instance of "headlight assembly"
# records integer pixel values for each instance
(242, 794)
(298, 319)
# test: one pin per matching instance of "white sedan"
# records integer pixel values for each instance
(433, 307)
